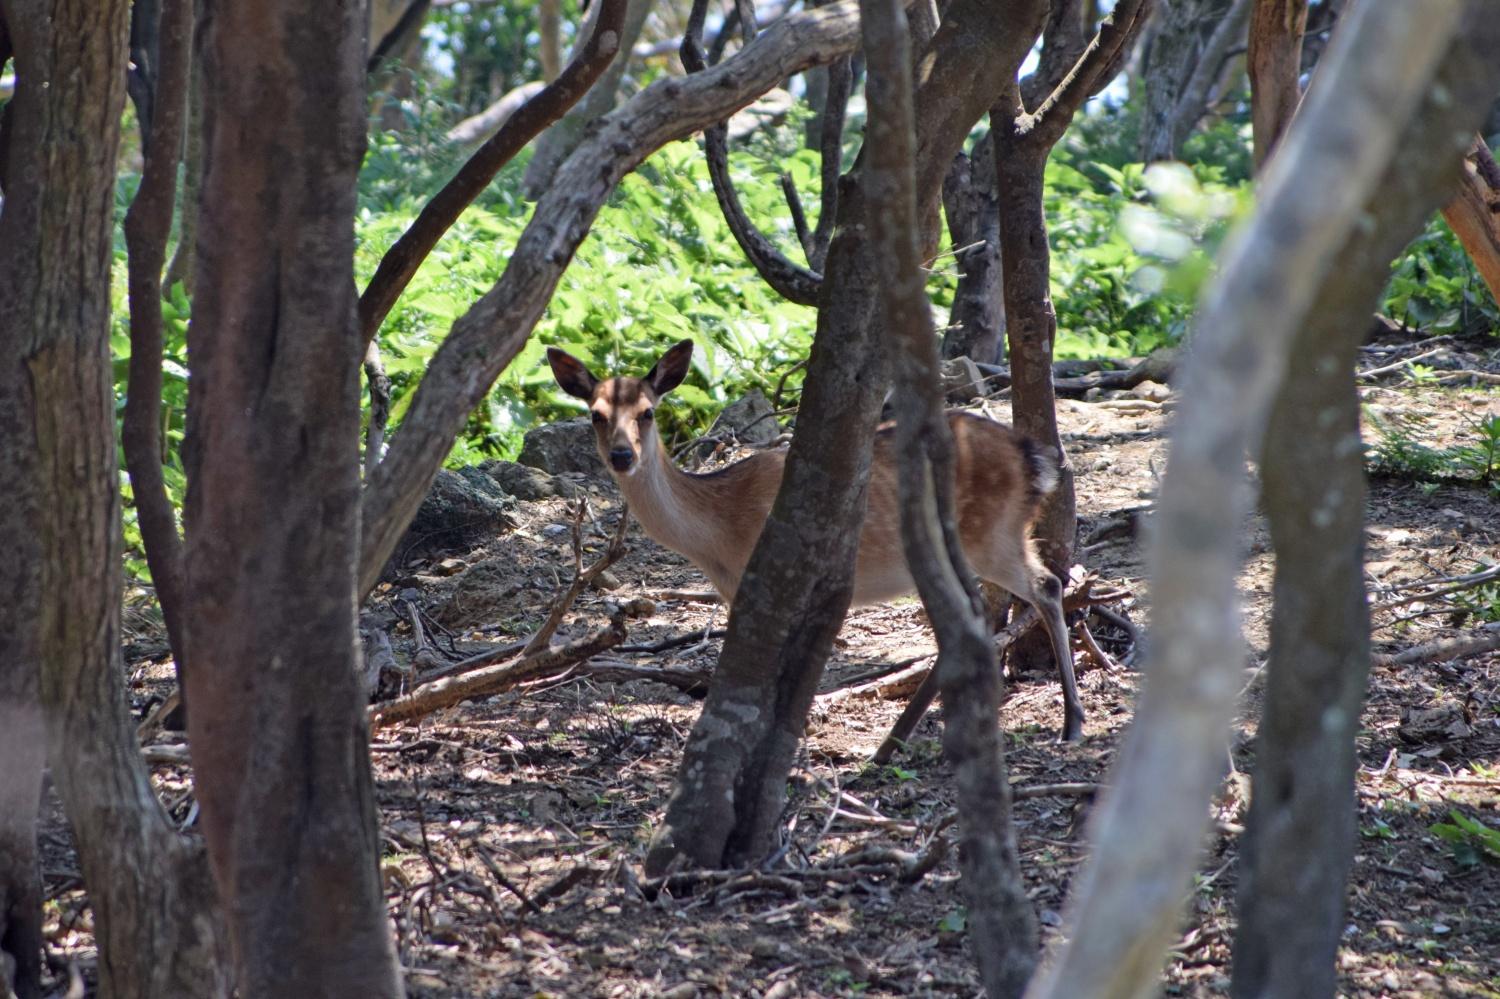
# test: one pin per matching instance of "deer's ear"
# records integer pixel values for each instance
(671, 369)
(575, 379)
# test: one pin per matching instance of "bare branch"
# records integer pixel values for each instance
(493, 118)
(792, 282)
(147, 226)
(486, 338)
(581, 577)
(401, 261)
(1092, 71)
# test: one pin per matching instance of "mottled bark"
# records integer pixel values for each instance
(1474, 213)
(1188, 46)
(731, 787)
(148, 223)
(1274, 63)
(976, 323)
(1301, 832)
(272, 514)
(1001, 925)
(557, 143)
(484, 340)
(148, 887)
(1147, 828)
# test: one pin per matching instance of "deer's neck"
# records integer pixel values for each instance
(690, 514)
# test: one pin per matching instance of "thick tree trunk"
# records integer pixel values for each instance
(976, 323)
(277, 726)
(1474, 213)
(1274, 63)
(148, 886)
(728, 800)
(1002, 926)
(1301, 830)
(1189, 43)
(1148, 827)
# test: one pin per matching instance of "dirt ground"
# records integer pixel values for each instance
(514, 826)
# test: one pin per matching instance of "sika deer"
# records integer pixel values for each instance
(715, 518)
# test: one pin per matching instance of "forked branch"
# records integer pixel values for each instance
(401, 261)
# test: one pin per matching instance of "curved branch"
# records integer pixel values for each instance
(147, 225)
(489, 121)
(787, 279)
(493, 331)
(401, 261)
(1091, 72)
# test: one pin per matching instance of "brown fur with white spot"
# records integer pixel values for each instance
(715, 519)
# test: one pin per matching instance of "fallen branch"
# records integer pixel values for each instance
(1447, 585)
(489, 680)
(1462, 647)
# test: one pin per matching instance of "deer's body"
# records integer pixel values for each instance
(716, 518)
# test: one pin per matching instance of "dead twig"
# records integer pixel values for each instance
(674, 642)
(581, 577)
(1447, 585)
(503, 881)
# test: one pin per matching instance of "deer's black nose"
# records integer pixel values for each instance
(621, 458)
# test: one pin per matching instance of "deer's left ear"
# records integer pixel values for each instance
(668, 372)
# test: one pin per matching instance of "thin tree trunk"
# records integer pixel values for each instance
(727, 803)
(1274, 63)
(549, 27)
(1148, 826)
(1301, 830)
(1474, 213)
(280, 747)
(1001, 924)
(149, 888)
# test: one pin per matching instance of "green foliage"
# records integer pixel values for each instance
(1434, 287)
(1469, 840)
(482, 50)
(1399, 451)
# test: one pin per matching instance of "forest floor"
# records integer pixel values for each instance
(514, 826)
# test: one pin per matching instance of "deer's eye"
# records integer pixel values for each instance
(648, 416)
(597, 417)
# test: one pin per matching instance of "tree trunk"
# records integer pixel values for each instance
(1301, 830)
(1188, 46)
(1474, 214)
(1031, 326)
(727, 804)
(1001, 924)
(280, 747)
(148, 886)
(561, 139)
(976, 323)
(1274, 63)
(1147, 829)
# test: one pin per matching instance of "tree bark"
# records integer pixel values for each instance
(1474, 213)
(976, 323)
(1188, 46)
(148, 224)
(1301, 831)
(1001, 925)
(1274, 63)
(727, 803)
(1148, 826)
(279, 740)
(148, 886)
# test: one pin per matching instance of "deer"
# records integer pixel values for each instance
(715, 518)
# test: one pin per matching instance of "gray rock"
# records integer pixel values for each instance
(464, 509)
(564, 446)
(527, 483)
(745, 421)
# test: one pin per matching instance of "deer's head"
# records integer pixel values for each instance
(623, 409)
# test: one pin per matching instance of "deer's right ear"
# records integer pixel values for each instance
(575, 379)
